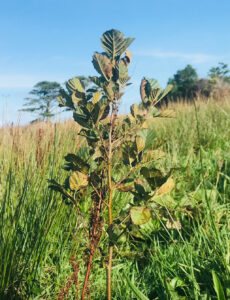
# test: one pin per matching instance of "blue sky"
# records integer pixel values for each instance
(54, 40)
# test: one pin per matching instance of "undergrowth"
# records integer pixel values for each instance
(40, 234)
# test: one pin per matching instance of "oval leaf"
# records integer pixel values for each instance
(115, 43)
(103, 65)
(75, 84)
(140, 215)
(78, 180)
(166, 187)
(96, 97)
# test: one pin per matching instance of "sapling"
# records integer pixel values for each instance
(117, 151)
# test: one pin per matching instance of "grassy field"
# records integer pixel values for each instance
(39, 234)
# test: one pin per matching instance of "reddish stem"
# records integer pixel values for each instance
(94, 242)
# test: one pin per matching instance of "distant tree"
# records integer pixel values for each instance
(44, 99)
(184, 83)
(220, 72)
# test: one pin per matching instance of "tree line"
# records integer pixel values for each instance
(186, 83)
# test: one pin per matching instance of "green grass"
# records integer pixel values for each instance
(39, 233)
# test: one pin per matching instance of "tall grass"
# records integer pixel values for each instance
(39, 233)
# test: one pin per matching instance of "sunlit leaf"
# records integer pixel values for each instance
(148, 135)
(75, 84)
(166, 187)
(78, 180)
(115, 43)
(96, 97)
(140, 215)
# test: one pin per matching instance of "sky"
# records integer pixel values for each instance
(54, 40)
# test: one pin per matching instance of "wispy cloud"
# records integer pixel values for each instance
(17, 81)
(196, 58)
(26, 80)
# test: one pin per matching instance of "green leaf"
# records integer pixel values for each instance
(137, 292)
(96, 97)
(76, 163)
(109, 91)
(99, 81)
(148, 135)
(166, 187)
(68, 99)
(81, 120)
(61, 101)
(154, 94)
(83, 153)
(74, 85)
(218, 286)
(129, 152)
(153, 83)
(105, 109)
(123, 73)
(166, 91)
(78, 180)
(140, 215)
(115, 43)
(76, 99)
(165, 201)
(103, 65)
(154, 112)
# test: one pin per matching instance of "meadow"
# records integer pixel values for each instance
(41, 237)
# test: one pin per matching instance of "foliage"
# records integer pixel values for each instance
(220, 72)
(218, 286)
(219, 81)
(184, 83)
(44, 99)
(187, 85)
(95, 177)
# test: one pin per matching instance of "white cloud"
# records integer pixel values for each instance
(196, 58)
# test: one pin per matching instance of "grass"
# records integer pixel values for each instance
(39, 233)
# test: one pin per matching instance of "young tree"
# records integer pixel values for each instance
(103, 180)
(184, 83)
(44, 99)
